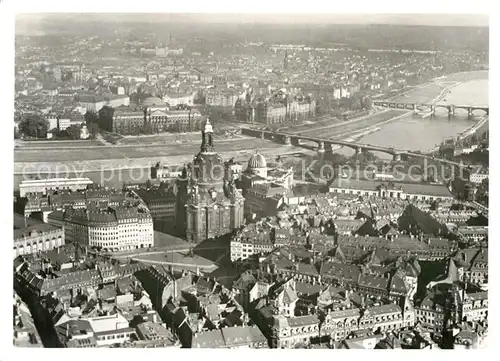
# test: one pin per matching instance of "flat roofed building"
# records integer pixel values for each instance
(109, 330)
(409, 191)
(43, 185)
(177, 98)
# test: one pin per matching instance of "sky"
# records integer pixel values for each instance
(392, 19)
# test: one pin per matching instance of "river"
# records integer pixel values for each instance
(417, 133)
(412, 132)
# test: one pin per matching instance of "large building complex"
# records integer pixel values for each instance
(111, 228)
(154, 115)
(279, 108)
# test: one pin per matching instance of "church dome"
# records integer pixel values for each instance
(152, 101)
(257, 161)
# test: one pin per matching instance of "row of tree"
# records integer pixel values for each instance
(35, 126)
(336, 107)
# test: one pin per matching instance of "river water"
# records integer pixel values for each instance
(412, 132)
(417, 133)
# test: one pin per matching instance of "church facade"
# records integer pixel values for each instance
(208, 204)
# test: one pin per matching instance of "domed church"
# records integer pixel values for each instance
(257, 165)
(208, 205)
(259, 172)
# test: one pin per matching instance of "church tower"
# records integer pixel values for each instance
(208, 204)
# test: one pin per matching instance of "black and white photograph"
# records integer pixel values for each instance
(234, 180)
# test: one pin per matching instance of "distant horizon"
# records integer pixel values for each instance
(428, 20)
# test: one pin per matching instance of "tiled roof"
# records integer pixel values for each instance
(371, 281)
(34, 230)
(209, 339)
(306, 320)
(234, 336)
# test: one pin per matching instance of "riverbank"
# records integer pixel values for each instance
(151, 150)
(139, 165)
(355, 136)
(474, 128)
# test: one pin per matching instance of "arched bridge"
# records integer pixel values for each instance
(431, 107)
(325, 145)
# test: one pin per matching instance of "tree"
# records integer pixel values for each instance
(148, 128)
(34, 126)
(106, 112)
(355, 102)
(91, 117)
(93, 129)
(74, 131)
(367, 103)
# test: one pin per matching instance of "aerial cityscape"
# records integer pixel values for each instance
(189, 183)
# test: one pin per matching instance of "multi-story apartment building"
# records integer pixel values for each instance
(223, 97)
(35, 238)
(247, 243)
(112, 229)
(473, 233)
(97, 102)
(340, 322)
(174, 99)
(287, 332)
(277, 110)
(270, 113)
(126, 122)
(161, 203)
(472, 263)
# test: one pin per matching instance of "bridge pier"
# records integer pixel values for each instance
(295, 142)
(262, 135)
(396, 157)
(287, 140)
(433, 111)
(451, 110)
(321, 147)
(328, 147)
(358, 150)
(469, 112)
